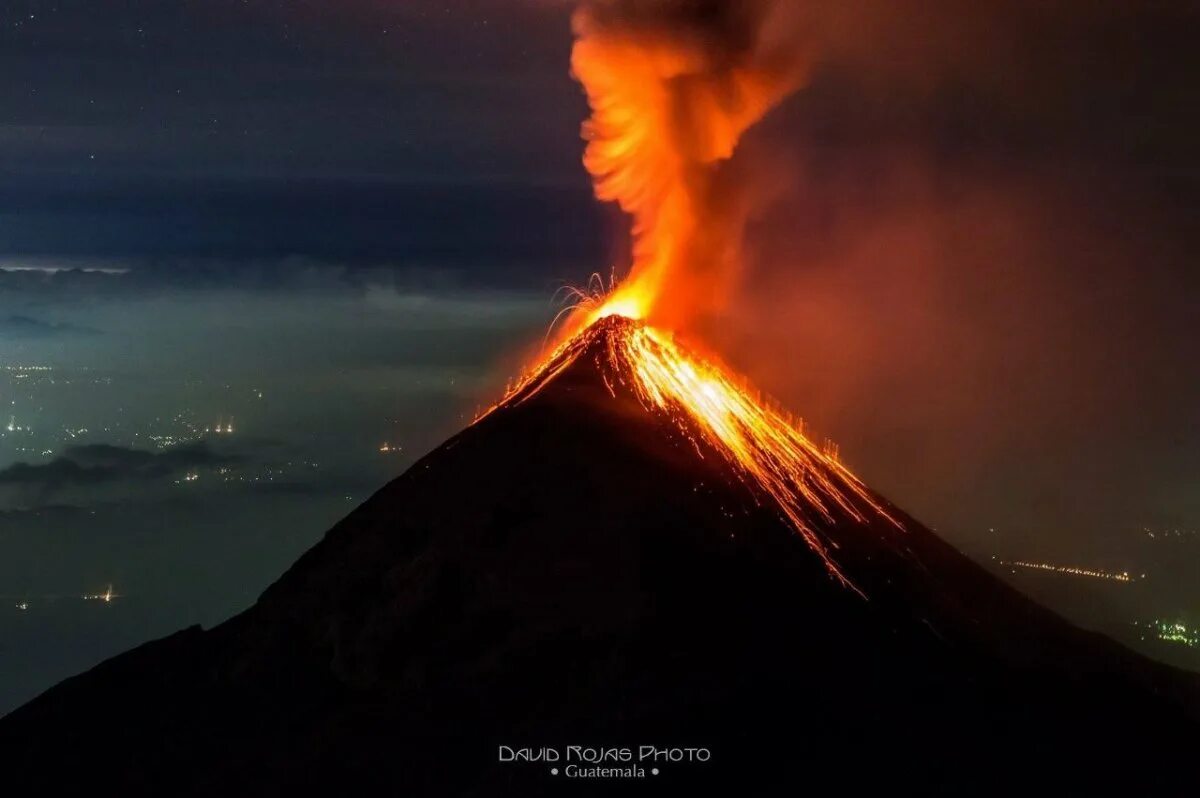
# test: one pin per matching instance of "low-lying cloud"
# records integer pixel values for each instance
(18, 326)
(98, 464)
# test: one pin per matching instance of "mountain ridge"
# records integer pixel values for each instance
(576, 569)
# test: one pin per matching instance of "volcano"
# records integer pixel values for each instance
(585, 567)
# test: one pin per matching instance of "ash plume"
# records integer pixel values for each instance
(673, 85)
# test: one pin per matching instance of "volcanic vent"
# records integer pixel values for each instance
(586, 565)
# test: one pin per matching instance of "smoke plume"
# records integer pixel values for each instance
(673, 85)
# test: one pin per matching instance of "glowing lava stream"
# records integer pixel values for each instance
(767, 451)
(672, 87)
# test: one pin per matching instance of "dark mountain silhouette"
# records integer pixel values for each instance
(572, 571)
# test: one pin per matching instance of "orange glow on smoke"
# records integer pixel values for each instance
(665, 114)
(669, 105)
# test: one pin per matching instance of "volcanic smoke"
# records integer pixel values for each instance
(673, 85)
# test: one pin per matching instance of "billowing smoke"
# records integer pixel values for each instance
(673, 85)
(974, 268)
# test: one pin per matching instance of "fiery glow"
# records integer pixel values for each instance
(766, 449)
(672, 89)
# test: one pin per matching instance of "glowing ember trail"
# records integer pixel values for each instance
(766, 450)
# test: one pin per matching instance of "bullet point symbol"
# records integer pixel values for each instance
(553, 771)
(654, 771)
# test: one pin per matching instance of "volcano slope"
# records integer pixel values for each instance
(574, 570)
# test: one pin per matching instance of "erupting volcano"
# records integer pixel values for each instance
(672, 87)
(594, 563)
(761, 445)
(630, 548)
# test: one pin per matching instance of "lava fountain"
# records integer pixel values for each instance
(673, 85)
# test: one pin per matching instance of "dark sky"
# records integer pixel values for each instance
(385, 130)
(976, 272)
(363, 130)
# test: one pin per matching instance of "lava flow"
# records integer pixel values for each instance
(767, 450)
(672, 88)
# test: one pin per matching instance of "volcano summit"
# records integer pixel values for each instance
(588, 566)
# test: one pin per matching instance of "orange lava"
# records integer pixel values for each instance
(767, 450)
(672, 88)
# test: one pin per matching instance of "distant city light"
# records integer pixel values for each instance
(223, 427)
(1174, 632)
(107, 596)
(1095, 573)
(1168, 534)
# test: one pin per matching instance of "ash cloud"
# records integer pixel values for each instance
(672, 87)
(726, 33)
(975, 270)
(962, 248)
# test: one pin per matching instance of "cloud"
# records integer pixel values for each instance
(26, 327)
(99, 464)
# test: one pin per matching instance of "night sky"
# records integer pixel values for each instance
(356, 131)
(335, 226)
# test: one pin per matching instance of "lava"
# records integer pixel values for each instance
(672, 88)
(765, 448)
